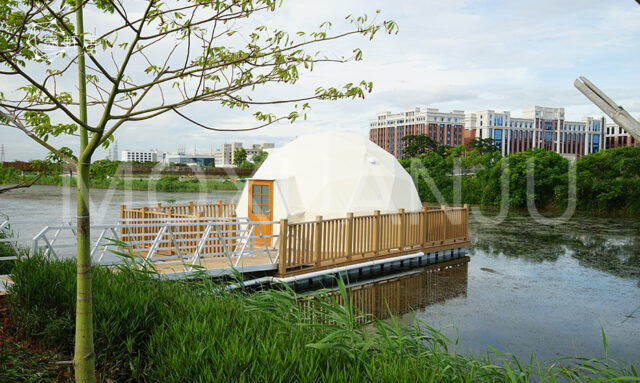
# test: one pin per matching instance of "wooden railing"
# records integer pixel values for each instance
(329, 242)
(188, 236)
(189, 210)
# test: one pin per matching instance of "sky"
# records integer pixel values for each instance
(468, 55)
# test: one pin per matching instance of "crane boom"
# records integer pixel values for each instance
(613, 110)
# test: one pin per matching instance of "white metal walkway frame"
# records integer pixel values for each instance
(235, 238)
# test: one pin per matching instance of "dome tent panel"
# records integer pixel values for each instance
(331, 174)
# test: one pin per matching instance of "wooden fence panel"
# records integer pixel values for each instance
(342, 239)
(186, 237)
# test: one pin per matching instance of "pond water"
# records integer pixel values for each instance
(548, 290)
(528, 288)
(31, 209)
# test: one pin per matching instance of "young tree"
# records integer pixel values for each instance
(239, 156)
(483, 145)
(259, 158)
(419, 144)
(143, 60)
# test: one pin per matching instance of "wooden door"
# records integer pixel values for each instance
(261, 208)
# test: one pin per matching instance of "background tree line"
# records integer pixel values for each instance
(607, 181)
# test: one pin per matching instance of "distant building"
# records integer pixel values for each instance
(148, 156)
(616, 137)
(257, 148)
(447, 128)
(224, 155)
(189, 159)
(539, 127)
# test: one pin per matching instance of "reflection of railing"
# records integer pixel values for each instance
(399, 294)
(327, 242)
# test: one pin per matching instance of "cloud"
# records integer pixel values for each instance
(463, 54)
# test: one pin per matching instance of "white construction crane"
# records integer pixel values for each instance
(613, 110)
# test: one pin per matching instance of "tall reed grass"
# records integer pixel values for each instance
(153, 330)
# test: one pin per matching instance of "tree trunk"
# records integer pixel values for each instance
(84, 356)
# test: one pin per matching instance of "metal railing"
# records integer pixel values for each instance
(7, 237)
(186, 243)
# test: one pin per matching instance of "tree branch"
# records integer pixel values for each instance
(228, 130)
(20, 186)
(44, 90)
(18, 125)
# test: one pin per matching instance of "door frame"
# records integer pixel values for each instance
(267, 229)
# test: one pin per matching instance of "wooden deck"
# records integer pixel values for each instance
(261, 262)
(301, 247)
(220, 266)
(328, 265)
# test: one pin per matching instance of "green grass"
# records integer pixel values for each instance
(163, 331)
(21, 365)
(167, 184)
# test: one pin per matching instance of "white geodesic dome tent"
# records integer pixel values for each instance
(331, 174)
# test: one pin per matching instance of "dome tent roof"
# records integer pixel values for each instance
(332, 173)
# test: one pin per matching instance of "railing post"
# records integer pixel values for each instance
(282, 251)
(401, 229)
(159, 206)
(200, 232)
(190, 207)
(423, 226)
(349, 234)
(122, 218)
(376, 232)
(465, 222)
(145, 229)
(317, 240)
(219, 208)
(443, 221)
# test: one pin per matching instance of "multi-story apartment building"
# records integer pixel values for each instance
(615, 137)
(224, 156)
(447, 128)
(539, 127)
(148, 156)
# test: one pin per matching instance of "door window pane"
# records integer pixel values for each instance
(255, 209)
(256, 189)
(256, 199)
(265, 189)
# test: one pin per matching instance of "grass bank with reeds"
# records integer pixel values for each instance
(170, 331)
(165, 184)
